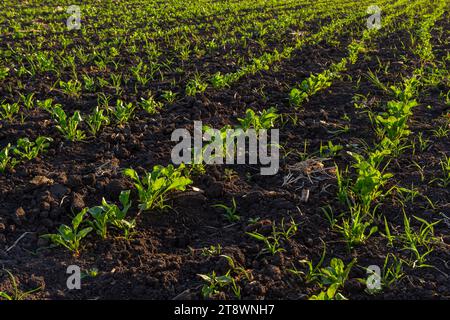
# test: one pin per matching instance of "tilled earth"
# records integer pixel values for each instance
(164, 258)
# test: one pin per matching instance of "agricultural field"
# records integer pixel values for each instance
(94, 206)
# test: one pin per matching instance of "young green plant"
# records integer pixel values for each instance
(154, 188)
(70, 236)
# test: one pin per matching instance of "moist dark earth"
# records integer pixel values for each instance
(164, 258)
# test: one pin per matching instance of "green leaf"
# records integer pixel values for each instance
(65, 232)
(96, 211)
(257, 236)
(180, 184)
(131, 173)
(124, 198)
(78, 218)
(84, 232)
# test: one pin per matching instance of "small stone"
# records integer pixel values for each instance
(45, 206)
(41, 180)
(20, 216)
(78, 202)
(20, 213)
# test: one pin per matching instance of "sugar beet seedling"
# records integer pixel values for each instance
(28, 150)
(334, 277)
(68, 126)
(6, 160)
(111, 214)
(154, 187)
(70, 236)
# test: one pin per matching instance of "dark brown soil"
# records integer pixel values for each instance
(164, 259)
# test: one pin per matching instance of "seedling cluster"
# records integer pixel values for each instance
(86, 117)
